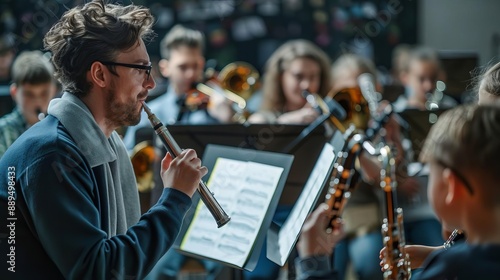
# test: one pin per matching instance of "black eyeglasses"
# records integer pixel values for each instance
(458, 174)
(147, 68)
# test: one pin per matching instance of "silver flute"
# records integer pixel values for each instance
(168, 141)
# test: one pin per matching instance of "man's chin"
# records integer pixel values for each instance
(135, 120)
(132, 119)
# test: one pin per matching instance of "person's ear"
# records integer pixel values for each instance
(163, 67)
(99, 74)
(454, 186)
(13, 92)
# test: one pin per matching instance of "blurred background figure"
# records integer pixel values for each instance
(421, 71)
(295, 67)
(421, 76)
(400, 56)
(362, 214)
(32, 88)
(182, 63)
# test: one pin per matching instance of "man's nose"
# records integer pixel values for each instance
(150, 83)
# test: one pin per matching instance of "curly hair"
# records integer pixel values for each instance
(274, 97)
(93, 32)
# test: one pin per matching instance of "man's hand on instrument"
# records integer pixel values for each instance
(183, 172)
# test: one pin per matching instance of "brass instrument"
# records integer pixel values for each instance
(355, 105)
(168, 141)
(360, 103)
(396, 260)
(142, 158)
(317, 102)
(238, 80)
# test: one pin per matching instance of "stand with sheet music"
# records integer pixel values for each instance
(248, 185)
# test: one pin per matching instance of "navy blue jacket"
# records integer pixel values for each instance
(463, 261)
(58, 227)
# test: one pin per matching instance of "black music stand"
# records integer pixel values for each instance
(419, 122)
(211, 155)
(281, 239)
(263, 137)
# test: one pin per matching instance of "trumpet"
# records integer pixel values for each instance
(168, 141)
(236, 82)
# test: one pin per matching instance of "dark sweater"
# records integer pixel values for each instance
(61, 221)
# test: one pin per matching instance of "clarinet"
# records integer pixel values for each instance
(344, 175)
(397, 261)
(455, 236)
(168, 141)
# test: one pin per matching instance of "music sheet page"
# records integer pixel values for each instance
(244, 189)
(290, 229)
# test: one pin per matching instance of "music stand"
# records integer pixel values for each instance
(420, 122)
(281, 239)
(263, 137)
(191, 234)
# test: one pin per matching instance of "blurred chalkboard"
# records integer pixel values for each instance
(251, 30)
(248, 30)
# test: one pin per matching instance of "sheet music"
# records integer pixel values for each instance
(290, 229)
(244, 190)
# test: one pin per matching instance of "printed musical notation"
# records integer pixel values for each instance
(245, 189)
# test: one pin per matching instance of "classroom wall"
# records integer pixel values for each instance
(461, 25)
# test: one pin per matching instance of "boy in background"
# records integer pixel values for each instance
(32, 88)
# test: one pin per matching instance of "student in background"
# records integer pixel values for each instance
(296, 66)
(487, 85)
(400, 56)
(32, 88)
(463, 156)
(182, 63)
(362, 214)
(419, 76)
